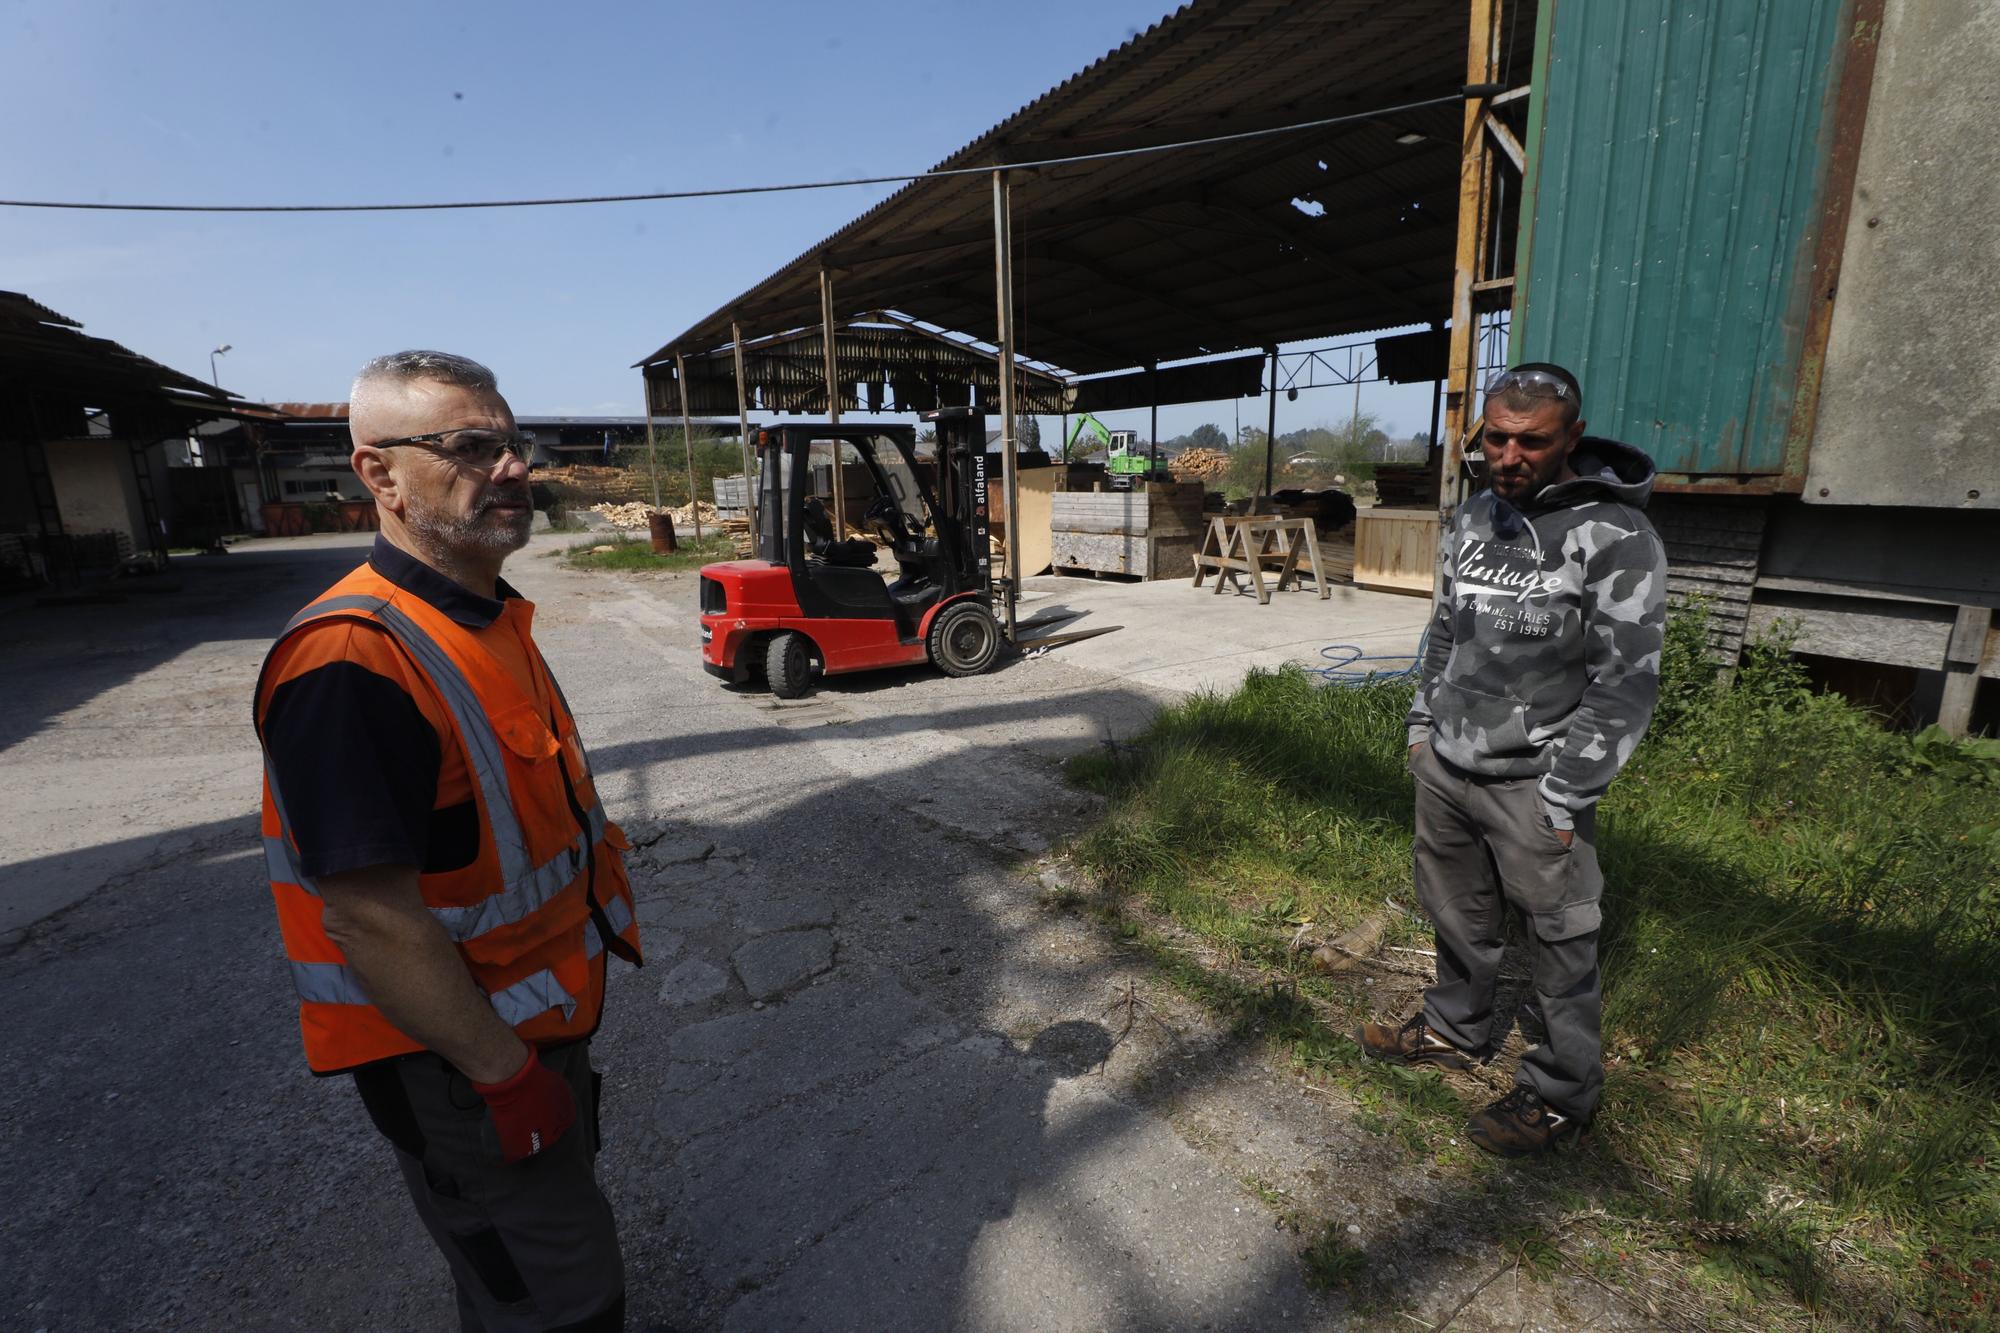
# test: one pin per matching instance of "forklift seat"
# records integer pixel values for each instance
(832, 589)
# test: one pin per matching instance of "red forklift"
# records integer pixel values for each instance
(813, 598)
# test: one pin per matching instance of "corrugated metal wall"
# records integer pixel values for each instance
(1678, 148)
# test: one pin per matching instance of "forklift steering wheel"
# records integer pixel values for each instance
(884, 510)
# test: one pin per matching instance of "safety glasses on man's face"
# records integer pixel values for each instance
(481, 449)
(1532, 383)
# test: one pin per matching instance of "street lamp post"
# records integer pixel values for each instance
(213, 378)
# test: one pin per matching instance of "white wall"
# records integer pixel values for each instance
(95, 489)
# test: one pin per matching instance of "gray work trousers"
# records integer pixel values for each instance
(532, 1245)
(1483, 843)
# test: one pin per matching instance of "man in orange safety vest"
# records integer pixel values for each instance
(447, 884)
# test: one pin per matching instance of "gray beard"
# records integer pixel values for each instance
(454, 538)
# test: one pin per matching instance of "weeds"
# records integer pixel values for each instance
(628, 553)
(1331, 1264)
(1801, 950)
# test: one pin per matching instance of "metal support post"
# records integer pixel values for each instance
(1153, 430)
(833, 404)
(687, 438)
(743, 426)
(1003, 300)
(1271, 428)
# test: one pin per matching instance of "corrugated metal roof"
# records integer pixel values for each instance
(1181, 254)
(48, 357)
(881, 356)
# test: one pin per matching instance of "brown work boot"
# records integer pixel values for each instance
(1522, 1124)
(1412, 1044)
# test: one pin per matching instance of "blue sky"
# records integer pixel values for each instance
(365, 101)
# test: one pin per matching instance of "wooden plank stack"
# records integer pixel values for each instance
(1405, 485)
(1151, 532)
(1395, 550)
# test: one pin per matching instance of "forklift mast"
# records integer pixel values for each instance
(962, 485)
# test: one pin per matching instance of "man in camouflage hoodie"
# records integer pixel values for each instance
(1540, 677)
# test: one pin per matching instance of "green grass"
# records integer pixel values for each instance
(637, 553)
(1801, 954)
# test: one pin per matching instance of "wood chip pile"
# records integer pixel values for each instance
(683, 517)
(1200, 465)
(627, 517)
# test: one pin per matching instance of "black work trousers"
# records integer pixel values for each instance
(533, 1245)
(1482, 844)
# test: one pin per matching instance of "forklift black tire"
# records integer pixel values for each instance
(964, 639)
(788, 664)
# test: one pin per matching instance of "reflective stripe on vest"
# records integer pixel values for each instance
(334, 983)
(525, 888)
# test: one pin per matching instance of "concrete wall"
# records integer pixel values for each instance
(1912, 383)
(95, 489)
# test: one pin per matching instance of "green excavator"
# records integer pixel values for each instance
(1127, 461)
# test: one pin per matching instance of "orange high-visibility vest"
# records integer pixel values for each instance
(547, 894)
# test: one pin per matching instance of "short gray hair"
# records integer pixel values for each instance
(436, 367)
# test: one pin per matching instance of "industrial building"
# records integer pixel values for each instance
(1730, 219)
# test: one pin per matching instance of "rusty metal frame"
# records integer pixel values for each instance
(1486, 142)
(1850, 118)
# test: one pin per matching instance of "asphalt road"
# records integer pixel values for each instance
(904, 1132)
(868, 1080)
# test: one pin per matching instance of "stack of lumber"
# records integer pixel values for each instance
(739, 533)
(1405, 486)
(1200, 465)
(1330, 510)
(1336, 554)
(583, 485)
(1151, 532)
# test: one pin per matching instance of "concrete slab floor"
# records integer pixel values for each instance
(1179, 639)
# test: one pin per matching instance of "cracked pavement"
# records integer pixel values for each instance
(867, 1080)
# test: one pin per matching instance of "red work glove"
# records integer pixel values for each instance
(530, 1109)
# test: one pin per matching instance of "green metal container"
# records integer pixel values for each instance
(1677, 157)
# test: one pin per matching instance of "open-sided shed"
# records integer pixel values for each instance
(1133, 260)
(82, 421)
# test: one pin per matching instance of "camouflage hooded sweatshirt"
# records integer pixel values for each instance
(1544, 655)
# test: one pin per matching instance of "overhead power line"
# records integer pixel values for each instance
(726, 192)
